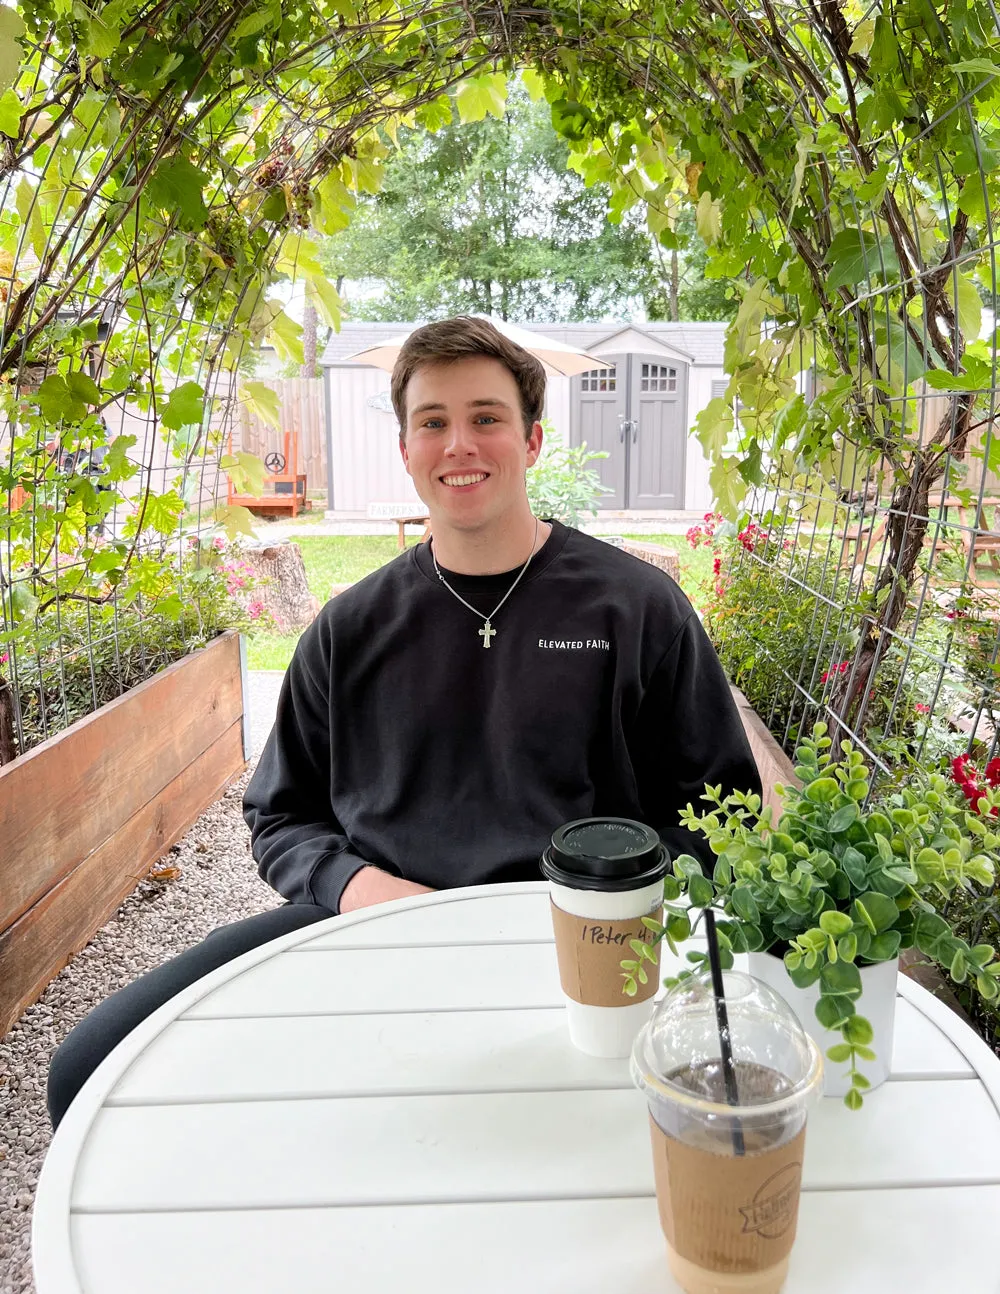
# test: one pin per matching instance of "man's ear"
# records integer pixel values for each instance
(404, 453)
(534, 443)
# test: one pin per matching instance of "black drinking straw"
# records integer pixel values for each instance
(722, 1021)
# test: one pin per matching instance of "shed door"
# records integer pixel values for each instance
(657, 432)
(597, 416)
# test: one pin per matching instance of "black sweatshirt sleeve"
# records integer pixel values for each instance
(300, 847)
(688, 734)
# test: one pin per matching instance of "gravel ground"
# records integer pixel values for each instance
(218, 883)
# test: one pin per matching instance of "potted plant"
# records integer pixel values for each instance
(825, 899)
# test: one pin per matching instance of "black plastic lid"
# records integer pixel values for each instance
(605, 854)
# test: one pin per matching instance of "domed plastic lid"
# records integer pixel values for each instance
(677, 1055)
(605, 854)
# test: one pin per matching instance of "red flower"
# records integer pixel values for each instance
(925, 709)
(717, 566)
(841, 667)
(993, 772)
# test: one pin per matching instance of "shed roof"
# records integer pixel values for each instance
(703, 342)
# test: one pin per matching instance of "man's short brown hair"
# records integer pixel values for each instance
(459, 338)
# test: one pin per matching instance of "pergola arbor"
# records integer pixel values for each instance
(166, 163)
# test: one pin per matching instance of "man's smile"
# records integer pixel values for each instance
(462, 480)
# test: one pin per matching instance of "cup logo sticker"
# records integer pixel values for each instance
(772, 1209)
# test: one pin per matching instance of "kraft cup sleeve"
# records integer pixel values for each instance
(728, 1213)
(590, 953)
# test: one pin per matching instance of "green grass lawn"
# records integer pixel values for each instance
(343, 559)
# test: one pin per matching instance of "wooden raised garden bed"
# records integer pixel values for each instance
(85, 815)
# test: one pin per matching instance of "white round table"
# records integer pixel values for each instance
(389, 1101)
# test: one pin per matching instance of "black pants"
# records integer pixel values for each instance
(86, 1046)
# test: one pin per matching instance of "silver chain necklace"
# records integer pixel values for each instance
(487, 632)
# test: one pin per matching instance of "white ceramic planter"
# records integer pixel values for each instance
(877, 1004)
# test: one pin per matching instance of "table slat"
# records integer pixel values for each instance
(486, 918)
(467, 1051)
(408, 1149)
(920, 1242)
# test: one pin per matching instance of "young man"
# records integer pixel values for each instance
(442, 717)
(447, 713)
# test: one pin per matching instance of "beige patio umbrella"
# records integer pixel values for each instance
(559, 359)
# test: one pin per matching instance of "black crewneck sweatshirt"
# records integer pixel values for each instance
(401, 741)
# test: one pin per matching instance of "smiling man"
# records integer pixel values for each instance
(441, 718)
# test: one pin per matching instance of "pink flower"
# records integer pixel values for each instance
(950, 615)
(218, 543)
(921, 708)
(192, 541)
(4, 659)
(255, 610)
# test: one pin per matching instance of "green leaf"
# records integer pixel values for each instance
(856, 255)
(744, 904)
(176, 185)
(701, 891)
(235, 520)
(286, 335)
(83, 388)
(858, 1031)
(246, 471)
(842, 818)
(841, 1052)
(822, 790)
(11, 111)
(534, 84)
(708, 218)
(884, 947)
(253, 23)
(713, 425)
(11, 53)
(841, 979)
(482, 95)
(981, 67)
(853, 1099)
(185, 405)
(162, 512)
(23, 603)
(835, 923)
(876, 911)
(833, 1012)
(969, 308)
(856, 868)
(263, 402)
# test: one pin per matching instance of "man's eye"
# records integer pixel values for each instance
(433, 423)
(486, 417)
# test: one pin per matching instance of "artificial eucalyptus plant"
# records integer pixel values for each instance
(833, 885)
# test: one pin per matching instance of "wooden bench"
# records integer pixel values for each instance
(404, 514)
(288, 484)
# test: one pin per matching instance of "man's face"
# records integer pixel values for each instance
(465, 447)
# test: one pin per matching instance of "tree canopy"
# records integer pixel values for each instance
(486, 217)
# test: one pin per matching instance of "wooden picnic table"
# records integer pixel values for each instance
(389, 1100)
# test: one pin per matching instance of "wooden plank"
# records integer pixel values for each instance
(773, 764)
(494, 1146)
(45, 937)
(62, 800)
(354, 1055)
(917, 1241)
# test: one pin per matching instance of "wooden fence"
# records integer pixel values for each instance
(302, 413)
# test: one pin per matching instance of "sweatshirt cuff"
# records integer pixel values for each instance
(331, 877)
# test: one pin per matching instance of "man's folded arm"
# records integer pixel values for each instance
(688, 735)
(300, 847)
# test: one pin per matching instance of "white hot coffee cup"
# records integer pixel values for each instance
(605, 875)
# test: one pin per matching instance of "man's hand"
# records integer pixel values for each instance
(371, 885)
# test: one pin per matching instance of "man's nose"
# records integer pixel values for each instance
(460, 439)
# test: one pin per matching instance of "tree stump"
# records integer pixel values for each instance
(283, 590)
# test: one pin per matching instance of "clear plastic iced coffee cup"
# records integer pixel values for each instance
(728, 1175)
(605, 876)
